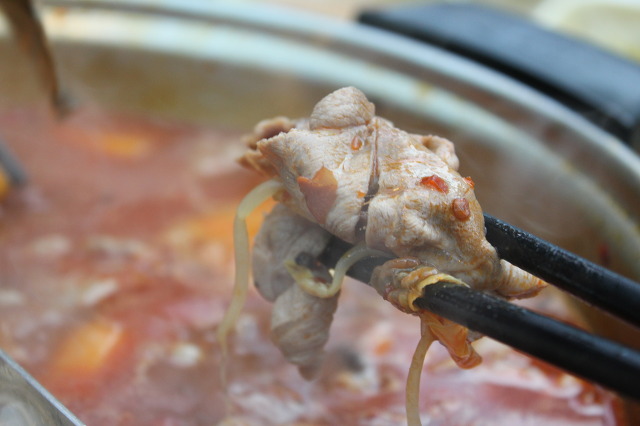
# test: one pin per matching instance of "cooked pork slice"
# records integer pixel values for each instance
(364, 180)
(300, 325)
(300, 322)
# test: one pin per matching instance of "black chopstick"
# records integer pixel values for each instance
(592, 283)
(596, 359)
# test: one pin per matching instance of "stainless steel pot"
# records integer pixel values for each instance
(536, 164)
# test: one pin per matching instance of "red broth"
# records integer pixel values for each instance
(116, 267)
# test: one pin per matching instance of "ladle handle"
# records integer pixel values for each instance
(601, 86)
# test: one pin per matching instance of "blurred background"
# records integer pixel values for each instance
(612, 24)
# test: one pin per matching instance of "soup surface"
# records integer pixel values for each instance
(116, 267)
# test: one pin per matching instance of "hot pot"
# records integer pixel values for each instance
(536, 164)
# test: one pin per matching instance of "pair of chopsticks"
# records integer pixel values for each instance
(574, 350)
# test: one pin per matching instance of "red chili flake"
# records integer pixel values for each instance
(361, 194)
(435, 182)
(604, 254)
(470, 182)
(460, 207)
(356, 143)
